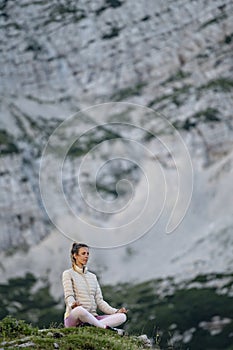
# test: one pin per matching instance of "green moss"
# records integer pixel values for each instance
(89, 338)
(12, 328)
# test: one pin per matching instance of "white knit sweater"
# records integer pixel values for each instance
(84, 287)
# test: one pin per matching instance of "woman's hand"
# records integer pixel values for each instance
(75, 304)
(122, 310)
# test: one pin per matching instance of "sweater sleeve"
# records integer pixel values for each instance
(102, 304)
(68, 288)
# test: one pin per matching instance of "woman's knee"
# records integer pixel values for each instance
(79, 311)
(124, 317)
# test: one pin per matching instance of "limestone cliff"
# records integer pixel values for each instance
(59, 57)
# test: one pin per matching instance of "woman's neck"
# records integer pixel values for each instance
(79, 265)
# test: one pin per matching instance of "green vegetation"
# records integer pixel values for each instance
(177, 97)
(207, 115)
(11, 328)
(127, 92)
(183, 309)
(33, 131)
(91, 139)
(19, 299)
(7, 145)
(159, 308)
(15, 333)
(220, 84)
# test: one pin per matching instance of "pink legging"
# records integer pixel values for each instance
(80, 315)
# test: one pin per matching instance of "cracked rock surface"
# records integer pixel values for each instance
(59, 57)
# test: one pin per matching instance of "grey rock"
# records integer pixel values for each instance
(145, 341)
(172, 57)
(26, 345)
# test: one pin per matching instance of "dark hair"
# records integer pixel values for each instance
(75, 249)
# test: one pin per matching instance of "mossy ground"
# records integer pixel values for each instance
(14, 333)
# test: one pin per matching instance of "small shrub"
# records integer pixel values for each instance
(10, 327)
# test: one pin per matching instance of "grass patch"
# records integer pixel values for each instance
(16, 333)
(11, 328)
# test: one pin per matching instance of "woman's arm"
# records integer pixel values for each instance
(68, 289)
(101, 303)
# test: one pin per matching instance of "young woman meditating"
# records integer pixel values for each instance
(83, 295)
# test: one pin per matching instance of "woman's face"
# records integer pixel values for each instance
(82, 256)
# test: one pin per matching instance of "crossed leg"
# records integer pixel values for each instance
(80, 315)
